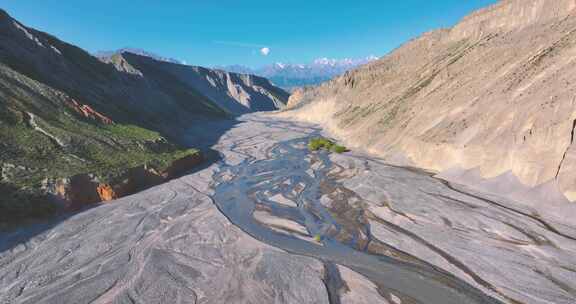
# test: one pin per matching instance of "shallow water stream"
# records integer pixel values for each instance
(300, 175)
(271, 222)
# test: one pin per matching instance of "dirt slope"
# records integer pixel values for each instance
(495, 94)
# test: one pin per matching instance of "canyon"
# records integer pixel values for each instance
(272, 222)
(457, 186)
(81, 190)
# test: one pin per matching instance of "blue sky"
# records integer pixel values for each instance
(223, 32)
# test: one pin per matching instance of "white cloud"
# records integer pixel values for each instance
(265, 51)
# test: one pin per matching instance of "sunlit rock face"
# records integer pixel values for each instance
(494, 94)
(510, 15)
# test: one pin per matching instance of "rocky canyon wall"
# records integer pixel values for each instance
(85, 189)
(493, 97)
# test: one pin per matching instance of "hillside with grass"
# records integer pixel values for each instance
(76, 129)
(44, 136)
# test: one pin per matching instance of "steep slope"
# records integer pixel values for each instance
(82, 130)
(46, 135)
(495, 94)
(232, 92)
(122, 92)
(236, 93)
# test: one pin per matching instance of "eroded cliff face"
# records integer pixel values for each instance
(85, 189)
(495, 95)
(237, 93)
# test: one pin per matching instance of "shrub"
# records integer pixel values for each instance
(318, 143)
(314, 145)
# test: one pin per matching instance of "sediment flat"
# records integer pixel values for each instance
(330, 228)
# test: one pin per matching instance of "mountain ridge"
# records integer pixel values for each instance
(76, 130)
(136, 51)
(233, 92)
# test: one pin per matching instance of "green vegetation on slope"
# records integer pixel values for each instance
(88, 148)
(318, 143)
(28, 156)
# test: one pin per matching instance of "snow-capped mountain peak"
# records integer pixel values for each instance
(344, 61)
(289, 75)
(324, 61)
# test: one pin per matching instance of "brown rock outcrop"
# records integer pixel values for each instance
(495, 93)
(86, 189)
(106, 192)
(76, 191)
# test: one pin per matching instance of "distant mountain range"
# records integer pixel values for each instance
(290, 76)
(284, 75)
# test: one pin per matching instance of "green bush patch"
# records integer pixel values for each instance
(320, 143)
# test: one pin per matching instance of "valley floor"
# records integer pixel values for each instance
(274, 223)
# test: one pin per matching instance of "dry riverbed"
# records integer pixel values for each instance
(274, 223)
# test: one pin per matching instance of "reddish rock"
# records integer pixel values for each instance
(76, 191)
(88, 112)
(105, 192)
(85, 189)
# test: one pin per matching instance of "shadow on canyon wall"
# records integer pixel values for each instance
(202, 135)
